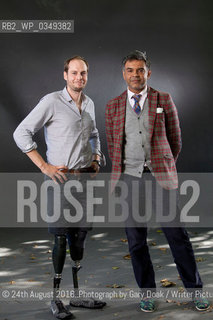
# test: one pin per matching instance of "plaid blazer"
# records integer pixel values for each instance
(164, 135)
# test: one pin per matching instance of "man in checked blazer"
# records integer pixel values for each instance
(143, 136)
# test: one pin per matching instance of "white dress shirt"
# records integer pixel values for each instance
(143, 97)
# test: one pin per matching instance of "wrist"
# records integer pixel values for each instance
(43, 166)
(96, 156)
(98, 162)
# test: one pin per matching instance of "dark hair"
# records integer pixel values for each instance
(136, 55)
(66, 63)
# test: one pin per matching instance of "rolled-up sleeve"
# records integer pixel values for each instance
(94, 136)
(95, 140)
(36, 119)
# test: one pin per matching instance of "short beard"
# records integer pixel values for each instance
(77, 89)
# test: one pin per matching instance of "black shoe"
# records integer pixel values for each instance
(59, 310)
(87, 303)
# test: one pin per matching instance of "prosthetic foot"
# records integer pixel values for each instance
(77, 301)
(59, 310)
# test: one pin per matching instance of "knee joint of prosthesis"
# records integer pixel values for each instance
(76, 245)
(60, 241)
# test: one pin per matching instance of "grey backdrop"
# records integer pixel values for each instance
(177, 36)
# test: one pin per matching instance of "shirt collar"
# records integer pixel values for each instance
(142, 93)
(67, 96)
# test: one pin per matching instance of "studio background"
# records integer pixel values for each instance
(177, 36)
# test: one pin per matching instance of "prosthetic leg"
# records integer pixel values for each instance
(76, 243)
(59, 254)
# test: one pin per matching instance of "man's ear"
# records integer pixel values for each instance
(149, 74)
(65, 75)
(124, 75)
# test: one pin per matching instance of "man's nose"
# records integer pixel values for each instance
(135, 73)
(79, 76)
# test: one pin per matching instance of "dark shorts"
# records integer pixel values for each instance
(67, 204)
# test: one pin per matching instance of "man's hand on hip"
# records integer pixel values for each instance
(54, 172)
(51, 171)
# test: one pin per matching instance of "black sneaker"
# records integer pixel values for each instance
(59, 310)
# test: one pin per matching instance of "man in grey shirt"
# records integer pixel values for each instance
(73, 147)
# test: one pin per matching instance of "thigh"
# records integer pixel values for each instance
(136, 200)
(166, 207)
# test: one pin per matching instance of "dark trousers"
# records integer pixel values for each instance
(176, 236)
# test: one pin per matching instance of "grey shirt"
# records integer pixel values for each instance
(71, 137)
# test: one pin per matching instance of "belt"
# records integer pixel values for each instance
(81, 170)
(146, 169)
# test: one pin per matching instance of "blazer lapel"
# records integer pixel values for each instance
(152, 103)
(121, 116)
